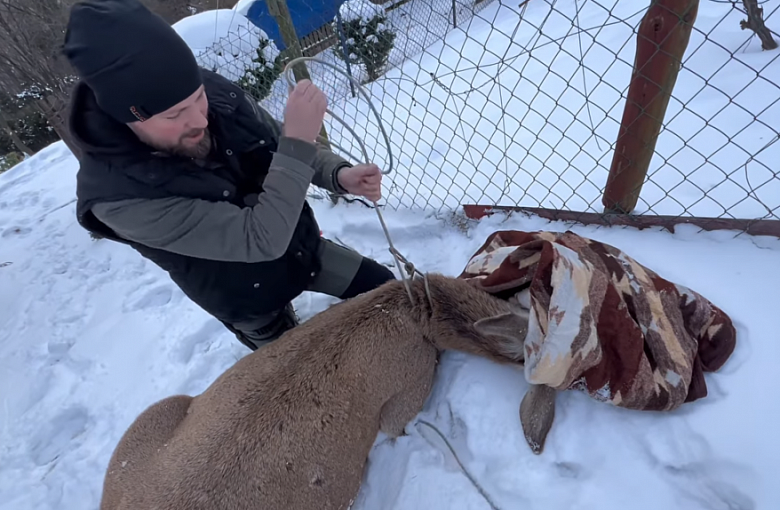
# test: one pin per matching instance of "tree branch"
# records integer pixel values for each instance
(755, 22)
(6, 126)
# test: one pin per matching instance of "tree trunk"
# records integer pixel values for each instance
(4, 124)
(755, 22)
(55, 107)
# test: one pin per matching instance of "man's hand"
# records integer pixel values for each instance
(362, 180)
(304, 112)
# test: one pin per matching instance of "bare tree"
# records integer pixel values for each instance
(5, 125)
(31, 34)
(31, 38)
(755, 22)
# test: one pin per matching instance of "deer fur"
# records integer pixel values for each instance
(290, 426)
(537, 409)
(537, 412)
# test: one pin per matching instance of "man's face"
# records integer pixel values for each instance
(181, 130)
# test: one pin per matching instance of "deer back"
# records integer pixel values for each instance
(288, 426)
(291, 425)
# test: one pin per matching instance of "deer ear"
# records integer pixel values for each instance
(537, 412)
(511, 325)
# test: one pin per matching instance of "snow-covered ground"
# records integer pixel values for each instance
(225, 41)
(521, 106)
(91, 334)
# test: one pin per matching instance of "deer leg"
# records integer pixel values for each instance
(537, 412)
(402, 407)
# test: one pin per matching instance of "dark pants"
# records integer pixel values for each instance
(344, 274)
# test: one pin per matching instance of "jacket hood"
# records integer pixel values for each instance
(96, 132)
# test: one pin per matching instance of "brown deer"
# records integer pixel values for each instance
(290, 426)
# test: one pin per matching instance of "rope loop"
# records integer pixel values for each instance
(288, 76)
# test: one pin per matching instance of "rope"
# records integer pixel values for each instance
(471, 478)
(399, 259)
(397, 256)
(287, 73)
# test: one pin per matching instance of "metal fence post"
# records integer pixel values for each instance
(454, 14)
(661, 43)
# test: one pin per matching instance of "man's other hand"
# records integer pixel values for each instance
(304, 112)
(362, 180)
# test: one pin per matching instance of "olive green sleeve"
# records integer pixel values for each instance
(221, 230)
(326, 163)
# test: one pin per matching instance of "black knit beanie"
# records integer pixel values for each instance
(132, 59)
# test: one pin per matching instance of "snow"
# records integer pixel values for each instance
(91, 334)
(502, 112)
(224, 40)
(242, 7)
(417, 23)
(362, 10)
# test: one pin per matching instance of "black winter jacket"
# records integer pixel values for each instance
(116, 166)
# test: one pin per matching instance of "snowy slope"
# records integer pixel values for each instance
(502, 111)
(91, 334)
(521, 106)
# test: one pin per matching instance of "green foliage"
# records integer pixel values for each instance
(259, 80)
(10, 160)
(27, 121)
(33, 129)
(369, 41)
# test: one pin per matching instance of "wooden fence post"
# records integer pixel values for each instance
(278, 9)
(661, 43)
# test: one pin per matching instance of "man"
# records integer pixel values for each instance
(185, 168)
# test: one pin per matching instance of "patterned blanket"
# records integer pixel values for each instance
(602, 323)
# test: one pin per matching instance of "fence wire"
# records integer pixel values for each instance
(520, 104)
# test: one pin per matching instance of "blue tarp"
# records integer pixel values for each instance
(307, 16)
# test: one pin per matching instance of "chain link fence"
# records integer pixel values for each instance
(520, 103)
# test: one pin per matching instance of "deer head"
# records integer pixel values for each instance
(537, 410)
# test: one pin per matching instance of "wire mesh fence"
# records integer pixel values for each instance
(521, 103)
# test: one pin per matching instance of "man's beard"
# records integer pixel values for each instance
(198, 151)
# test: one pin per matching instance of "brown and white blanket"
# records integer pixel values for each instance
(602, 323)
